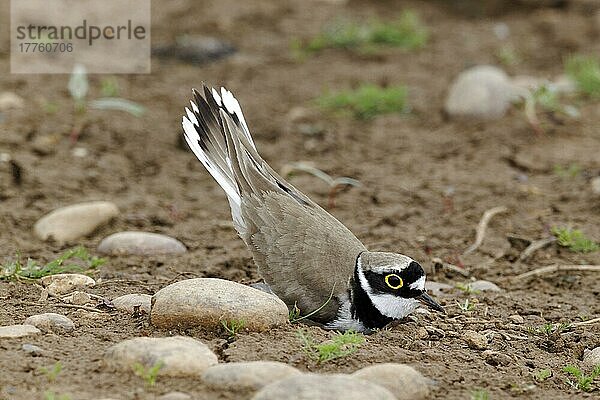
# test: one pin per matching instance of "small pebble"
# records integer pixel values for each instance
(482, 92)
(75, 221)
(206, 302)
(438, 288)
(484, 286)
(17, 331)
(51, 322)
(130, 302)
(323, 387)
(496, 358)
(175, 396)
(475, 340)
(60, 284)
(78, 298)
(516, 319)
(251, 375)
(10, 101)
(179, 355)
(405, 382)
(32, 350)
(596, 185)
(591, 358)
(140, 243)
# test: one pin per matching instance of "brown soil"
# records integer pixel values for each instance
(407, 165)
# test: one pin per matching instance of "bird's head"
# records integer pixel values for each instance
(394, 283)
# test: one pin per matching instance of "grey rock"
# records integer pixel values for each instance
(77, 298)
(482, 92)
(596, 185)
(323, 387)
(175, 396)
(17, 331)
(32, 350)
(207, 301)
(74, 221)
(475, 340)
(496, 358)
(10, 101)
(516, 319)
(438, 288)
(251, 375)
(59, 284)
(405, 382)
(179, 355)
(591, 358)
(51, 322)
(140, 243)
(130, 302)
(484, 286)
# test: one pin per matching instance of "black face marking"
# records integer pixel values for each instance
(409, 275)
(363, 308)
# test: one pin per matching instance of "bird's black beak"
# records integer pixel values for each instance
(426, 299)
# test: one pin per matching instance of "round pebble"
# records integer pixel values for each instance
(78, 298)
(208, 301)
(591, 358)
(496, 358)
(59, 284)
(74, 221)
(475, 340)
(516, 319)
(251, 375)
(405, 382)
(482, 92)
(10, 101)
(130, 302)
(438, 288)
(32, 350)
(17, 331)
(51, 322)
(140, 243)
(484, 286)
(323, 387)
(179, 355)
(596, 185)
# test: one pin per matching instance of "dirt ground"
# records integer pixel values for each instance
(426, 181)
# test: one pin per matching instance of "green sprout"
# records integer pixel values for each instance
(54, 396)
(109, 87)
(582, 381)
(233, 327)
(549, 329)
(52, 373)
(480, 394)
(542, 375)
(508, 56)
(31, 270)
(585, 71)
(574, 240)
(367, 101)
(342, 345)
(568, 171)
(467, 289)
(466, 306)
(148, 374)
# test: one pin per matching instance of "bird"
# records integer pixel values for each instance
(308, 258)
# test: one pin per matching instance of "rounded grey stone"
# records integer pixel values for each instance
(17, 331)
(140, 243)
(51, 322)
(251, 375)
(32, 349)
(591, 358)
(207, 302)
(179, 355)
(475, 340)
(405, 382)
(74, 221)
(484, 286)
(129, 302)
(323, 387)
(59, 284)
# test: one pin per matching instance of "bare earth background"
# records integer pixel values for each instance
(406, 165)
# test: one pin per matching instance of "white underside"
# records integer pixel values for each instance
(344, 320)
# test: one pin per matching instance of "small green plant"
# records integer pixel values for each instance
(582, 381)
(480, 394)
(109, 87)
(585, 71)
(567, 171)
(549, 329)
(54, 396)
(467, 289)
(574, 240)
(407, 32)
(342, 345)
(508, 56)
(148, 374)
(542, 375)
(233, 327)
(52, 373)
(31, 270)
(466, 306)
(367, 101)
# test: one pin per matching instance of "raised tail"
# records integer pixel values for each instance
(206, 132)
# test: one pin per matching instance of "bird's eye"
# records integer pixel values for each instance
(393, 281)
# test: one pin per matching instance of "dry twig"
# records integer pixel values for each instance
(535, 246)
(588, 322)
(556, 268)
(482, 226)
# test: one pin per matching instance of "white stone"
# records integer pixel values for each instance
(323, 387)
(129, 302)
(208, 301)
(475, 340)
(516, 319)
(179, 355)
(17, 331)
(405, 382)
(75, 221)
(140, 243)
(251, 375)
(591, 358)
(482, 92)
(484, 286)
(78, 298)
(59, 284)
(10, 101)
(438, 288)
(51, 322)
(596, 185)
(32, 350)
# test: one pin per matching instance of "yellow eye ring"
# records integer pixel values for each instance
(396, 281)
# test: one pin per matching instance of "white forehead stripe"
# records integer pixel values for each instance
(419, 284)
